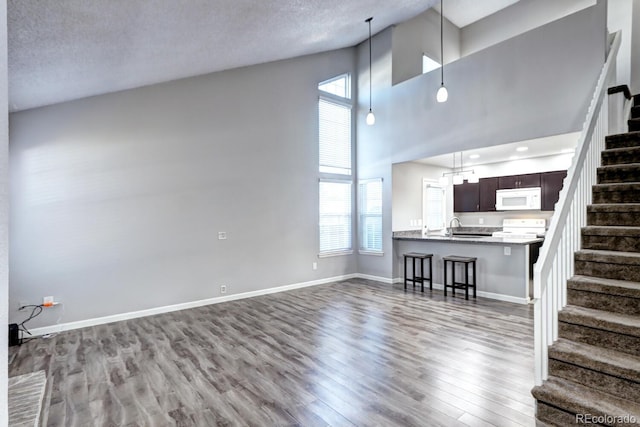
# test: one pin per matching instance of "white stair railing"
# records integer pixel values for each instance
(555, 262)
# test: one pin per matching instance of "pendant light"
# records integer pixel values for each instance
(371, 119)
(458, 175)
(442, 94)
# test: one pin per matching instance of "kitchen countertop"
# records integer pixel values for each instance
(461, 238)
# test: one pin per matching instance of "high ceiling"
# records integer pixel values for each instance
(68, 49)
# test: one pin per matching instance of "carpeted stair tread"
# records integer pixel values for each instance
(619, 265)
(611, 174)
(616, 193)
(617, 156)
(613, 214)
(550, 416)
(606, 237)
(599, 319)
(611, 230)
(609, 257)
(627, 139)
(578, 399)
(614, 207)
(602, 285)
(597, 358)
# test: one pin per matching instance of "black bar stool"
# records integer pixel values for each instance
(453, 259)
(415, 278)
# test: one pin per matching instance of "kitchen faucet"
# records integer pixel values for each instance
(450, 229)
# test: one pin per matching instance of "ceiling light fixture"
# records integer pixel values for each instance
(458, 174)
(521, 149)
(474, 156)
(371, 119)
(442, 94)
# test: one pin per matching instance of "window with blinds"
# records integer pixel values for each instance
(334, 168)
(335, 217)
(370, 215)
(433, 205)
(334, 137)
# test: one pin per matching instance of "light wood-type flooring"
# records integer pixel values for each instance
(352, 353)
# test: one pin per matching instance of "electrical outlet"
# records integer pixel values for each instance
(223, 289)
(507, 250)
(314, 265)
(47, 300)
(222, 235)
(481, 221)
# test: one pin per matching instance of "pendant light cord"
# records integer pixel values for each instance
(441, 45)
(369, 21)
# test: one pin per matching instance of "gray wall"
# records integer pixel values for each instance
(619, 18)
(418, 36)
(523, 16)
(117, 200)
(407, 193)
(523, 88)
(4, 216)
(635, 49)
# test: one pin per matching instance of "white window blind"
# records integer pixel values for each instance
(433, 206)
(370, 206)
(335, 217)
(334, 137)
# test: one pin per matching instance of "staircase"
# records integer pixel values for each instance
(594, 366)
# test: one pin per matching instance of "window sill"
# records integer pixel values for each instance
(335, 253)
(374, 253)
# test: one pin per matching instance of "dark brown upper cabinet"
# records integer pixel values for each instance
(519, 181)
(481, 197)
(487, 194)
(551, 186)
(466, 197)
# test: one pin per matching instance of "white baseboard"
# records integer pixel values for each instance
(216, 300)
(490, 295)
(376, 278)
(182, 306)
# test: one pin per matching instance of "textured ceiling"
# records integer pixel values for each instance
(61, 50)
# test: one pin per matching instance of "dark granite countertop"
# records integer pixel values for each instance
(463, 236)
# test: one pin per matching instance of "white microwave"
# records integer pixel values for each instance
(518, 199)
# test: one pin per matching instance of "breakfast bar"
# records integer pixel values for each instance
(504, 265)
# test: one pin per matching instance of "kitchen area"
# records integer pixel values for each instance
(493, 204)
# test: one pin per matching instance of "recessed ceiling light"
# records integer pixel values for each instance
(474, 156)
(521, 149)
(513, 158)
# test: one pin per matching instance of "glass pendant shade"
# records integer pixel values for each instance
(457, 179)
(473, 178)
(371, 119)
(442, 94)
(444, 180)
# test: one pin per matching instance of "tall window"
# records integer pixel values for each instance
(370, 213)
(335, 137)
(335, 165)
(335, 216)
(433, 206)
